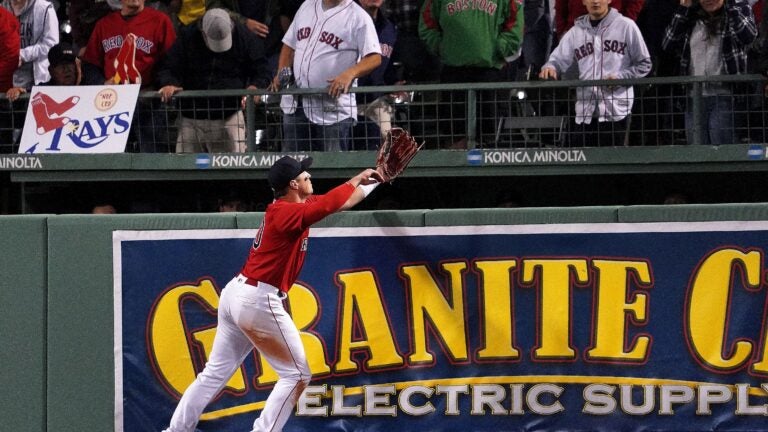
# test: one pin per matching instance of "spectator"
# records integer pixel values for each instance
(711, 37)
(251, 13)
(39, 31)
(185, 12)
(537, 40)
(232, 202)
(83, 15)
(375, 107)
(674, 198)
(10, 44)
(103, 208)
(154, 36)
(418, 64)
(329, 35)
(66, 69)
(659, 105)
(509, 198)
(262, 17)
(605, 45)
(474, 44)
(566, 12)
(217, 54)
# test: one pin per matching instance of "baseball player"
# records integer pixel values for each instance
(321, 49)
(251, 312)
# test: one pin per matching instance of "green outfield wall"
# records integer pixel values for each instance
(56, 356)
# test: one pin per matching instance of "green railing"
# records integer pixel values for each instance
(515, 114)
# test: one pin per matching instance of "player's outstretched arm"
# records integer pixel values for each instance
(364, 183)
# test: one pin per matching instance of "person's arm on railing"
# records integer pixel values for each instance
(170, 68)
(284, 61)
(560, 59)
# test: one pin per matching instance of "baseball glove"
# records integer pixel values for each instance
(395, 153)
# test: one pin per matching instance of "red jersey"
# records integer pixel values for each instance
(154, 36)
(278, 250)
(10, 43)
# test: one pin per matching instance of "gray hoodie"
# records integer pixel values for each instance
(615, 47)
(39, 32)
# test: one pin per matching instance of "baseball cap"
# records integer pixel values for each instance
(61, 53)
(217, 29)
(286, 169)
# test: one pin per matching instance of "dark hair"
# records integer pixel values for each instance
(714, 23)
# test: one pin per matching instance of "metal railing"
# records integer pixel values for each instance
(516, 114)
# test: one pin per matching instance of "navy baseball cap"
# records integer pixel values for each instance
(286, 169)
(61, 53)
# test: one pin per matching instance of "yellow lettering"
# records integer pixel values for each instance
(612, 308)
(168, 340)
(555, 303)
(429, 303)
(361, 298)
(497, 321)
(708, 307)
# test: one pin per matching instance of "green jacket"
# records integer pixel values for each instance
(480, 33)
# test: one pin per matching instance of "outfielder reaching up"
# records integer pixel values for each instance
(251, 312)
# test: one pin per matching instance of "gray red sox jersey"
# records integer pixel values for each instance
(614, 48)
(327, 42)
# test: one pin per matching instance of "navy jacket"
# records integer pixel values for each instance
(191, 65)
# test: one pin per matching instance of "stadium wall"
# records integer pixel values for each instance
(57, 320)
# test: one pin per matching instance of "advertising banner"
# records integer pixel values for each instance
(78, 119)
(656, 326)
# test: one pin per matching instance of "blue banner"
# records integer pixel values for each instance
(487, 328)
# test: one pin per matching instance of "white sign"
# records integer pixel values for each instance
(78, 119)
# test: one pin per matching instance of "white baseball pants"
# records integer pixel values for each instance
(249, 316)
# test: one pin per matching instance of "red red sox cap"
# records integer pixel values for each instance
(286, 169)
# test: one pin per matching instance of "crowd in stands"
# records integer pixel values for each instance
(337, 44)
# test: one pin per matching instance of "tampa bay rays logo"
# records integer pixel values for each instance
(48, 113)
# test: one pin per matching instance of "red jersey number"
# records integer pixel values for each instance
(257, 240)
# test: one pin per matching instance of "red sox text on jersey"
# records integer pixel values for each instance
(608, 46)
(115, 42)
(325, 37)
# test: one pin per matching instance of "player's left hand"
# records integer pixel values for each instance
(370, 176)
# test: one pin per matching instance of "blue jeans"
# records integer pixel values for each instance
(717, 121)
(299, 134)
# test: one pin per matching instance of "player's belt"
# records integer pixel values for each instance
(256, 283)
